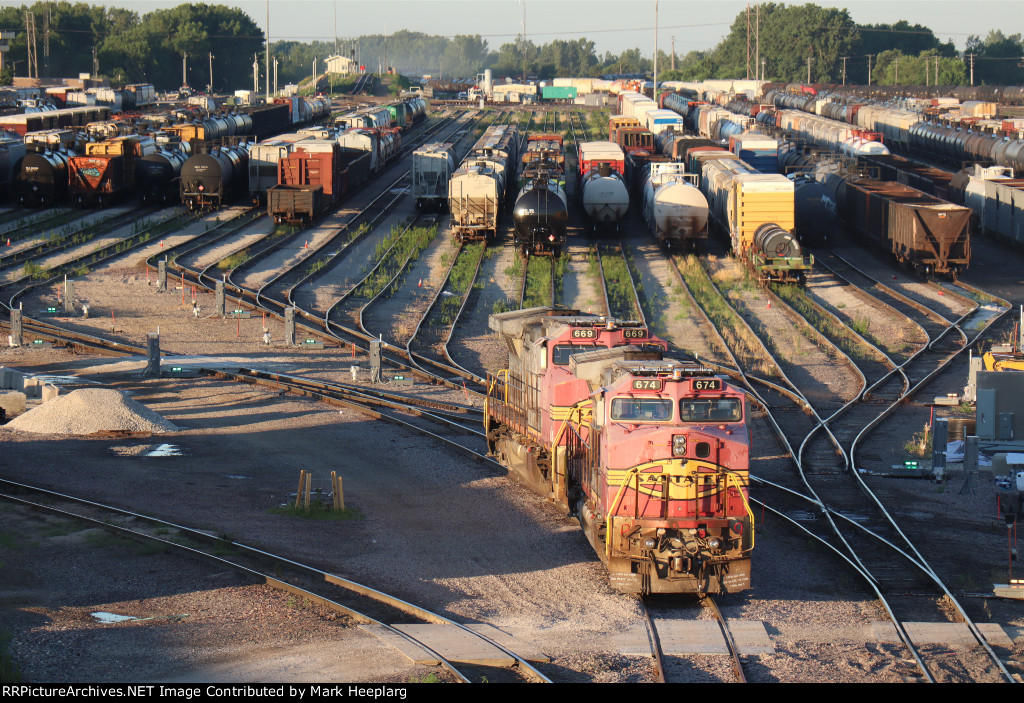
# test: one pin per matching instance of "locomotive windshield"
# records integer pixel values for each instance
(562, 352)
(653, 409)
(711, 410)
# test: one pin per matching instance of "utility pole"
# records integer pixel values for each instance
(896, 61)
(757, 37)
(869, 68)
(268, 51)
(209, 88)
(654, 85)
(673, 52)
(524, 41)
(184, 67)
(46, 42)
(926, 72)
(255, 75)
(30, 31)
(335, 33)
(275, 76)
(844, 68)
(936, 70)
(748, 41)
(763, 62)
(972, 68)
(809, 59)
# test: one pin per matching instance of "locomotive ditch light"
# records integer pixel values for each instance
(650, 543)
(714, 543)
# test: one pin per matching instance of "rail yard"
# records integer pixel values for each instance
(587, 393)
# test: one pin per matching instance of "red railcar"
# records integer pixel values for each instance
(310, 182)
(650, 454)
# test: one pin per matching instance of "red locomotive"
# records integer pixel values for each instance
(650, 453)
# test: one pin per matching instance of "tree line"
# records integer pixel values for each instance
(793, 43)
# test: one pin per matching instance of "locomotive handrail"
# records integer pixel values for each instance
(729, 477)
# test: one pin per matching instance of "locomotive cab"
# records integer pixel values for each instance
(651, 454)
(666, 496)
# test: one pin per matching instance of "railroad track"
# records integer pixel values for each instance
(371, 608)
(869, 544)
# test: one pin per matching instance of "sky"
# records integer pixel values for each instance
(613, 26)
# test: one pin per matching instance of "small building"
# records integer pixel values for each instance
(342, 65)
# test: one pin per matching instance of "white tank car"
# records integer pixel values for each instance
(604, 195)
(674, 209)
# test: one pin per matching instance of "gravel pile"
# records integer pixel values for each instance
(88, 411)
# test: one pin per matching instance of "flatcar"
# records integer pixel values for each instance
(650, 454)
(210, 179)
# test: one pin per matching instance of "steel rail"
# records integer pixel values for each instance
(333, 579)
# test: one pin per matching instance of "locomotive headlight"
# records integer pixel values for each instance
(679, 445)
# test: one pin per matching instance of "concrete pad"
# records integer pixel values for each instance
(676, 637)
(13, 403)
(50, 392)
(457, 645)
(751, 637)
(522, 648)
(948, 633)
(415, 653)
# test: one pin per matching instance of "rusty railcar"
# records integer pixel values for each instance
(924, 233)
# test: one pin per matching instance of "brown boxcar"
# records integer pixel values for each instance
(923, 232)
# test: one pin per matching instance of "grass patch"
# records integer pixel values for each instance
(459, 281)
(235, 260)
(393, 253)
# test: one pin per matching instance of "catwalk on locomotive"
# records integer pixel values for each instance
(649, 453)
(540, 214)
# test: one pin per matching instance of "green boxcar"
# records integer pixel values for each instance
(397, 115)
(556, 92)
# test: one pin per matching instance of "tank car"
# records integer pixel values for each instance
(210, 179)
(42, 179)
(157, 174)
(650, 454)
(603, 192)
(674, 209)
(541, 215)
(12, 151)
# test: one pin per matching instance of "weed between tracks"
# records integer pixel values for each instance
(394, 251)
(459, 281)
(620, 291)
(538, 282)
(722, 316)
(798, 299)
